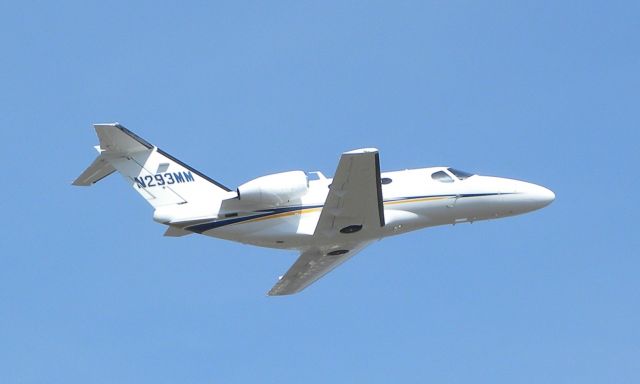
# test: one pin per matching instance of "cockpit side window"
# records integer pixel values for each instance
(442, 177)
(460, 174)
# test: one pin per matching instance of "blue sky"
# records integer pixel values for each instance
(90, 291)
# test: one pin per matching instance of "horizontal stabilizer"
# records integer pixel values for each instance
(161, 179)
(98, 170)
(176, 232)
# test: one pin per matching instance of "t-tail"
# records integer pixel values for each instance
(179, 194)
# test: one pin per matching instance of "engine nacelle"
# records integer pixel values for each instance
(274, 189)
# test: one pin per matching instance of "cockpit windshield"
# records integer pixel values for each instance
(460, 174)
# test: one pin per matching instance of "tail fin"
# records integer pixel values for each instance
(157, 176)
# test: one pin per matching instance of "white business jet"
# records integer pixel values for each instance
(326, 220)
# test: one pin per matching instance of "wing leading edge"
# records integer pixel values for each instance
(350, 220)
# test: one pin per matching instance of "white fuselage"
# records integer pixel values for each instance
(412, 199)
(326, 220)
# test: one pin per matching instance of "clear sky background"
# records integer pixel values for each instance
(544, 91)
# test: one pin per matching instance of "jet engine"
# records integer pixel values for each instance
(274, 189)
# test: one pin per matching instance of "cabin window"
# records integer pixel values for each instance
(460, 174)
(442, 177)
(386, 180)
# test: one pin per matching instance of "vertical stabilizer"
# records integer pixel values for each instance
(158, 177)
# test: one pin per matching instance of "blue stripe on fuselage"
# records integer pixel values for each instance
(200, 228)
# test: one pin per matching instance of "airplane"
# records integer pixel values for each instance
(327, 220)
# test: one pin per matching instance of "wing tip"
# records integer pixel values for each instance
(273, 293)
(361, 151)
(280, 289)
(112, 124)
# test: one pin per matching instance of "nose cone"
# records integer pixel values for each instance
(537, 196)
(518, 197)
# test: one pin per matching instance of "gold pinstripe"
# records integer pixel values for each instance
(284, 214)
(416, 200)
(311, 210)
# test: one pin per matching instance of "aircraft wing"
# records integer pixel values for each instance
(350, 219)
(311, 266)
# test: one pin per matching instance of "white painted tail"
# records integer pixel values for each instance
(161, 179)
